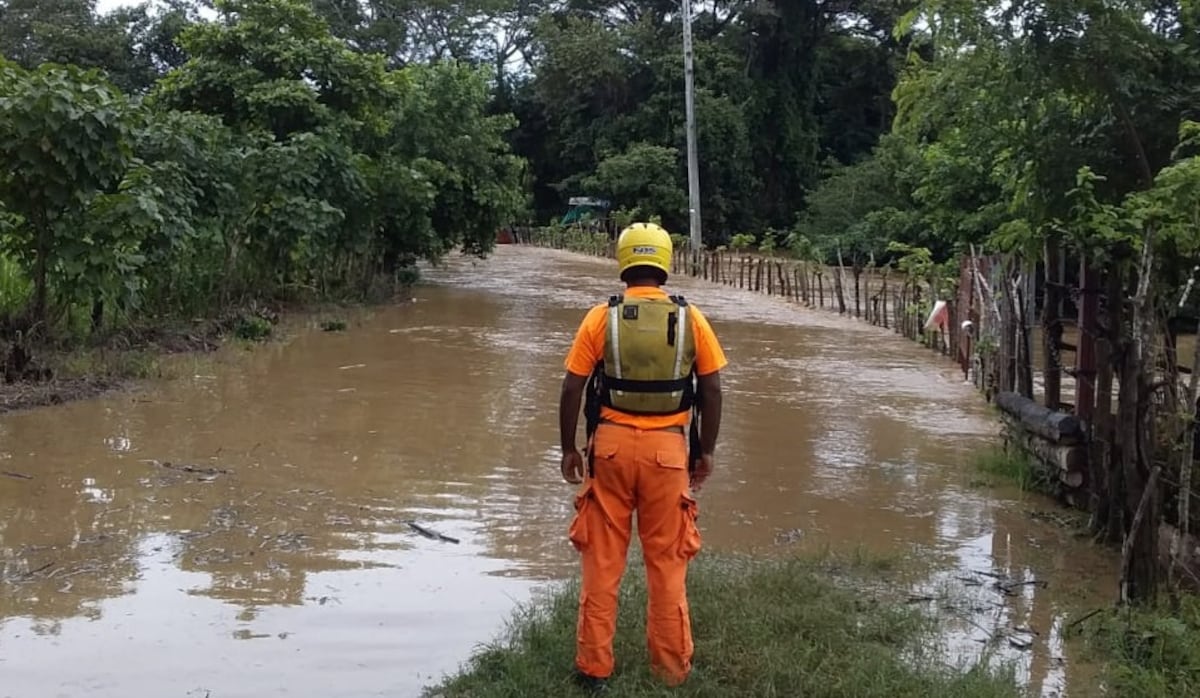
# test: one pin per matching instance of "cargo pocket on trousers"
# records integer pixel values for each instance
(672, 459)
(689, 533)
(578, 530)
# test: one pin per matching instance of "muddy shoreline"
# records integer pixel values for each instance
(15, 397)
(127, 360)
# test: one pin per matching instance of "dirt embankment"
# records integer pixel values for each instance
(36, 373)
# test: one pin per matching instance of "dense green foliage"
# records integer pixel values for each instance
(371, 134)
(266, 147)
(1018, 126)
(781, 88)
(1149, 653)
(268, 158)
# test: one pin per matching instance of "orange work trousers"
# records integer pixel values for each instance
(642, 471)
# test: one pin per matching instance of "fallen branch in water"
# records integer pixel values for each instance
(991, 636)
(33, 572)
(432, 535)
(988, 573)
(1008, 588)
(205, 474)
(194, 469)
(18, 476)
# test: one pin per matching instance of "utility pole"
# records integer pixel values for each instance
(692, 159)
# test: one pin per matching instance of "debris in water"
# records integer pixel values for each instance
(347, 368)
(791, 536)
(1008, 588)
(35, 571)
(432, 535)
(1021, 643)
(18, 476)
(205, 474)
(987, 573)
(292, 541)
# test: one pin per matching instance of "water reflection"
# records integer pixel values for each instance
(256, 514)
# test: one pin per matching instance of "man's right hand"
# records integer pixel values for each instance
(701, 469)
(572, 466)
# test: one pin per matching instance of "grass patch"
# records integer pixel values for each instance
(1149, 653)
(761, 628)
(1011, 466)
(128, 364)
(252, 328)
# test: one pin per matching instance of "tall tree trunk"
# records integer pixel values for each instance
(1180, 552)
(1103, 460)
(857, 270)
(40, 281)
(1021, 305)
(1007, 333)
(840, 284)
(1085, 355)
(1139, 569)
(1052, 329)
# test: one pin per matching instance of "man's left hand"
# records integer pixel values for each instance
(572, 466)
(701, 469)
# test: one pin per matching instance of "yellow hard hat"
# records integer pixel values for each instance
(644, 244)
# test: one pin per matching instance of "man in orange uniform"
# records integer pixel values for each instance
(653, 360)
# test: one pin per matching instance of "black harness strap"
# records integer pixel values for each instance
(694, 446)
(636, 386)
(591, 414)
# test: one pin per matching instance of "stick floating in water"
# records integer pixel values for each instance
(432, 535)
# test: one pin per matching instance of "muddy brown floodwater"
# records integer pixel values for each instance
(242, 530)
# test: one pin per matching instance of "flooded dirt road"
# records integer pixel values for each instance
(243, 531)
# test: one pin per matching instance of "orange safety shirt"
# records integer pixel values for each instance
(588, 350)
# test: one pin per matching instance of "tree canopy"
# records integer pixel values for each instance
(348, 138)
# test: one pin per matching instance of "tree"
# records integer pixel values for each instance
(64, 137)
(130, 44)
(643, 178)
(780, 87)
